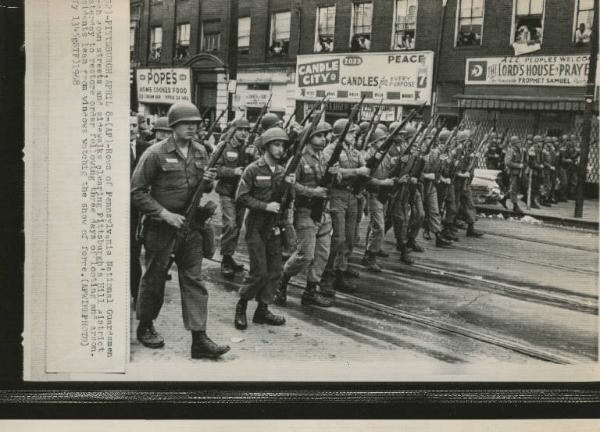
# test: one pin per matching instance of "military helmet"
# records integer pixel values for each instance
(241, 123)
(463, 135)
(377, 135)
(394, 125)
(340, 124)
(383, 127)
(514, 139)
(162, 124)
(271, 135)
(409, 130)
(363, 125)
(537, 139)
(548, 139)
(493, 135)
(270, 120)
(444, 135)
(183, 111)
(573, 137)
(322, 127)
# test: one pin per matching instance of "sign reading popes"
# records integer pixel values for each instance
(164, 85)
(556, 71)
(400, 78)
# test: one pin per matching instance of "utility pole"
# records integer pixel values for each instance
(587, 117)
(436, 61)
(232, 54)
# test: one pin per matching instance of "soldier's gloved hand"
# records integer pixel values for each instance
(291, 179)
(273, 207)
(414, 180)
(210, 174)
(334, 170)
(363, 171)
(238, 171)
(429, 176)
(250, 149)
(172, 219)
(403, 179)
(552, 168)
(320, 192)
(387, 182)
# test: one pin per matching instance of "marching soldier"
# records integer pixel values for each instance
(263, 234)
(314, 237)
(572, 165)
(229, 169)
(549, 172)
(464, 176)
(514, 164)
(343, 210)
(161, 129)
(492, 155)
(162, 184)
(445, 188)
(535, 163)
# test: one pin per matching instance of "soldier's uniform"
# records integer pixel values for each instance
(513, 162)
(493, 154)
(535, 165)
(572, 166)
(462, 188)
(549, 172)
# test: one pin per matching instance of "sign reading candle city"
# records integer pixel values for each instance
(164, 85)
(400, 78)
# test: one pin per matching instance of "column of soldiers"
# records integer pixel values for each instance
(421, 184)
(541, 168)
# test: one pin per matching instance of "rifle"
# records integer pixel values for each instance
(192, 218)
(375, 160)
(212, 127)
(327, 180)
(254, 132)
(287, 123)
(312, 110)
(372, 125)
(293, 137)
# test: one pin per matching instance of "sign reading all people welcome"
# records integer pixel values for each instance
(398, 78)
(557, 71)
(164, 85)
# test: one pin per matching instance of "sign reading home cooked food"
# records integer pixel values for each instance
(164, 85)
(398, 78)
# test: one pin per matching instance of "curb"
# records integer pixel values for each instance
(553, 220)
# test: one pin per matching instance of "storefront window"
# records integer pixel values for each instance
(529, 22)
(470, 23)
(280, 33)
(584, 19)
(405, 24)
(325, 29)
(244, 35)
(362, 14)
(182, 46)
(211, 35)
(155, 43)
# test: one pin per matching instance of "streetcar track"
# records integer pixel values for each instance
(544, 242)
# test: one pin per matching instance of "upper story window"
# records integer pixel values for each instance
(132, 41)
(182, 45)
(244, 35)
(470, 23)
(155, 43)
(325, 29)
(583, 20)
(528, 25)
(211, 35)
(280, 33)
(405, 24)
(360, 33)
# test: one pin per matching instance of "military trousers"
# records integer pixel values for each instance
(464, 201)
(515, 182)
(376, 223)
(417, 215)
(263, 239)
(343, 210)
(362, 204)
(135, 249)
(233, 216)
(447, 201)
(433, 219)
(400, 214)
(313, 246)
(563, 183)
(194, 296)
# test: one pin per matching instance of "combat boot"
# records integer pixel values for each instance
(341, 284)
(226, 269)
(534, 204)
(412, 244)
(382, 254)
(472, 232)
(351, 273)
(327, 284)
(441, 242)
(460, 224)
(203, 347)
(281, 295)
(371, 262)
(544, 202)
(148, 336)
(262, 315)
(517, 209)
(447, 233)
(240, 320)
(404, 256)
(235, 266)
(503, 201)
(311, 297)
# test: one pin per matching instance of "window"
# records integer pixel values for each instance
(325, 29)
(583, 22)
(155, 43)
(132, 42)
(361, 27)
(405, 24)
(244, 35)
(182, 45)
(280, 33)
(211, 35)
(470, 23)
(529, 22)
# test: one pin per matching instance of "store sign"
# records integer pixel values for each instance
(398, 78)
(164, 85)
(556, 71)
(251, 98)
(386, 113)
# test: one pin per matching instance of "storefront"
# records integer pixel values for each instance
(397, 81)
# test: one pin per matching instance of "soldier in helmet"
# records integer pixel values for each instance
(536, 166)
(314, 237)
(549, 172)
(161, 188)
(263, 236)
(229, 170)
(376, 207)
(513, 161)
(462, 187)
(343, 210)
(445, 187)
(572, 165)
(162, 130)
(492, 155)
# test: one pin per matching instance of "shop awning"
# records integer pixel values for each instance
(533, 103)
